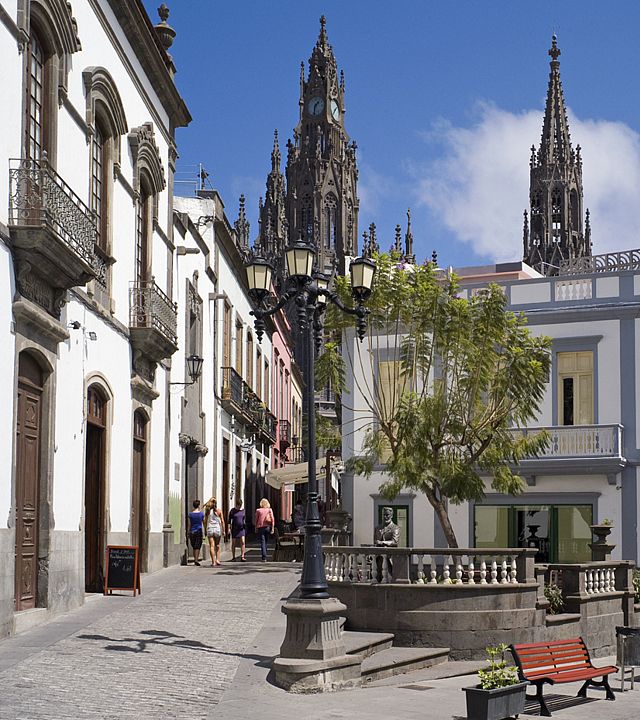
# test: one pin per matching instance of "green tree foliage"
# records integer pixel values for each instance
(445, 380)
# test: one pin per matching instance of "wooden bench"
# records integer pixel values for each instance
(560, 661)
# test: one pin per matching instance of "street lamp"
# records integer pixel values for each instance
(194, 368)
(311, 293)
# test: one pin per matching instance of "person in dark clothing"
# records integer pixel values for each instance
(237, 530)
(196, 518)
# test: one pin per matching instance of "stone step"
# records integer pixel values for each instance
(400, 660)
(366, 643)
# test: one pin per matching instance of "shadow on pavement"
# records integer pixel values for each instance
(150, 638)
(557, 702)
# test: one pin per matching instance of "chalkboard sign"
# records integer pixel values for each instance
(122, 569)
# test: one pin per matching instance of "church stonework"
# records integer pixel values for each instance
(556, 231)
(319, 203)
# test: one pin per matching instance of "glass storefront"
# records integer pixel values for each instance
(560, 533)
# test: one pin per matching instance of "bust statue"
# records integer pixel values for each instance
(387, 534)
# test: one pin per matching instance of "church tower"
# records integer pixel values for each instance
(555, 231)
(321, 171)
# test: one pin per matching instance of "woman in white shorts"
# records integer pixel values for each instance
(214, 523)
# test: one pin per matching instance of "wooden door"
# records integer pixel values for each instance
(226, 486)
(94, 491)
(139, 489)
(27, 481)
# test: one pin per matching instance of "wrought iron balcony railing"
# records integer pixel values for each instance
(232, 387)
(151, 310)
(39, 197)
(285, 434)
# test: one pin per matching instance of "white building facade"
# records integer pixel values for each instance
(237, 379)
(589, 472)
(87, 311)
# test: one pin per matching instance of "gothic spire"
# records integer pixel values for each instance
(553, 233)
(242, 227)
(275, 154)
(398, 242)
(555, 144)
(408, 240)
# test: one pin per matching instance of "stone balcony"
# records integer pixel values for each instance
(152, 321)
(571, 448)
(53, 234)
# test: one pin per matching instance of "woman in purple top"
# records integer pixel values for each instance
(196, 516)
(238, 530)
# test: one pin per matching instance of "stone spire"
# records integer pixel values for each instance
(554, 233)
(408, 240)
(242, 227)
(272, 235)
(397, 246)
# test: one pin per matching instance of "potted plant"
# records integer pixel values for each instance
(500, 693)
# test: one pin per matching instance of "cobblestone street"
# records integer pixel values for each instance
(171, 652)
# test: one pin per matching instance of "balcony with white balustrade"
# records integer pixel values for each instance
(578, 448)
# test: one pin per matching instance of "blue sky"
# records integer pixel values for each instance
(443, 98)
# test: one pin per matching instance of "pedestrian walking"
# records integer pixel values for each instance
(214, 522)
(265, 524)
(237, 530)
(196, 517)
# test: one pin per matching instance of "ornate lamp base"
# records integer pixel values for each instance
(313, 656)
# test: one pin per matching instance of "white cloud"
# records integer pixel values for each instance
(479, 185)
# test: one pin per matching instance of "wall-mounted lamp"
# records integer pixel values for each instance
(205, 220)
(75, 325)
(194, 368)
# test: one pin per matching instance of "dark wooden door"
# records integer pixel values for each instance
(226, 470)
(139, 489)
(27, 481)
(94, 491)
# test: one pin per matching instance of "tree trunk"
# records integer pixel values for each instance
(443, 516)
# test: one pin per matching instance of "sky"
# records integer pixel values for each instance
(444, 99)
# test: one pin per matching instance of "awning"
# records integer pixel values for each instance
(294, 474)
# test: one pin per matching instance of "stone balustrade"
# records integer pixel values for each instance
(429, 566)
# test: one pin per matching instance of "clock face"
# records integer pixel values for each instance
(335, 110)
(315, 106)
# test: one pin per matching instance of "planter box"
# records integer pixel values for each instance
(495, 704)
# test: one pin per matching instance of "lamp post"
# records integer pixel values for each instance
(311, 293)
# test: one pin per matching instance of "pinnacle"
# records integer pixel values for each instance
(554, 50)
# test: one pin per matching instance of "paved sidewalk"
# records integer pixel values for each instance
(168, 653)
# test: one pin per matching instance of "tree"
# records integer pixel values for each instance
(445, 380)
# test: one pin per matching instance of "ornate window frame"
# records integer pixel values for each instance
(55, 20)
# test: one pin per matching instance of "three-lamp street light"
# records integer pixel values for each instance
(310, 291)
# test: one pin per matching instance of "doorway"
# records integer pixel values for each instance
(94, 489)
(28, 449)
(139, 524)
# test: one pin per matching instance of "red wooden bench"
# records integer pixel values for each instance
(560, 661)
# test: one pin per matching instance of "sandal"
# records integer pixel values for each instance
(243, 559)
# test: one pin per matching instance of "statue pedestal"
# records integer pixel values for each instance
(313, 656)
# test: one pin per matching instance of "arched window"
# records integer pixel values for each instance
(105, 115)
(144, 223)
(35, 142)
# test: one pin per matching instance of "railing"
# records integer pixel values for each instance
(232, 386)
(150, 307)
(429, 566)
(588, 579)
(38, 195)
(270, 425)
(607, 262)
(285, 434)
(580, 440)
(578, 289)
